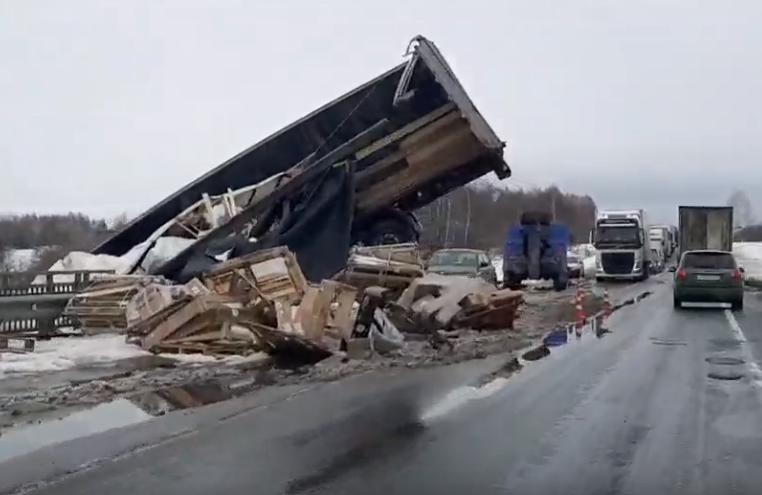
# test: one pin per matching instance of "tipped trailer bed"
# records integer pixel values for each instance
(402, 139)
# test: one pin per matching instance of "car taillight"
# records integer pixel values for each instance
(738, 275)
(682, 275)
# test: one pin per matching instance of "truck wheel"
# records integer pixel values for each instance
(560, 283)
(646, 269)
(390, 230)
(511, 282)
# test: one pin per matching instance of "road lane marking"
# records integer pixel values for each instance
(751, 364)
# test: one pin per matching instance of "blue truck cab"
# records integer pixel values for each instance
(537, 252)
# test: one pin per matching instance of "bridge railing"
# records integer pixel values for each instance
(56, 282)
(32, 302)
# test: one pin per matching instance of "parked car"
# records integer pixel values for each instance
(708, 276)
(574, 265)
(469, 262)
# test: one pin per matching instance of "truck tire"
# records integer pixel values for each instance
(560, 283)
(390, 230)
(534, 246)
(511, 282)
(536, 217)
(646, 269)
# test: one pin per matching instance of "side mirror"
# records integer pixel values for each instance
(741, 269)
(672, 269)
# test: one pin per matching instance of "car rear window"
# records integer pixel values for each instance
(709, 260)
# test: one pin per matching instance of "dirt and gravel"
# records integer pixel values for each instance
(25, 400)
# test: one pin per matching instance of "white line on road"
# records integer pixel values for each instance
(754, 369)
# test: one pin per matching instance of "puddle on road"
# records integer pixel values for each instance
(162, 401)
(668, 342)
(461, 396)
(121, 412)
(725, 344)
(730, 375)
(727, 361)
(103, 417)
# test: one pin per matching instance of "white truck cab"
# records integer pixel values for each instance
(621, 238)
(661, 235)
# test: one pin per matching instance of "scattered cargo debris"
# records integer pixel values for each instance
(16, 344)
(435, 302)
(394, 266)
(102, 305)
(258, 302)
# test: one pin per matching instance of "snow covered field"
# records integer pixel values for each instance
(19, 260)
(69, 352)
(749, 256)
(66, 353)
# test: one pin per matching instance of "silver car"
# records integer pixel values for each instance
(468, 262)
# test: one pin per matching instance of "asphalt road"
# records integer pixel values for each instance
(667, 402)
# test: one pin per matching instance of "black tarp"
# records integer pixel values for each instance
(318, 232)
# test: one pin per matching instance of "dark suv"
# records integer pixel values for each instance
(709, 276)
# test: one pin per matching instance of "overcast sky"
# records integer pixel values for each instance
(109, 106)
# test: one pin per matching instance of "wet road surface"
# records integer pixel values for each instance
(667, 402)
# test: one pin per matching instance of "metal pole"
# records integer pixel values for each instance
(447, 223)
(468, 217)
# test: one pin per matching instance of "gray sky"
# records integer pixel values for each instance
(108, 106)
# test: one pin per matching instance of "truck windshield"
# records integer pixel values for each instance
(629, 236)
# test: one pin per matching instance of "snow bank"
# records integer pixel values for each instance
(749, 256)
(20, 260)
(79, 260)
(588, 267)
(497, 262)
(164, 250)
(64, 353)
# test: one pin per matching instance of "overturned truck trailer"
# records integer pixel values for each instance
(352, 171)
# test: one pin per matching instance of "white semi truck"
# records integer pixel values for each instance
(661, 235)
(621, 239)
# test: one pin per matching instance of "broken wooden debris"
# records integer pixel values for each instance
(259, 302)
(394, 266)
(102, 306)
(435, 302)
(16, 344)
(270, 274)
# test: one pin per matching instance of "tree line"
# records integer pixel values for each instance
(58, 234)
(476, 216)
(479, 216)
(72, 230)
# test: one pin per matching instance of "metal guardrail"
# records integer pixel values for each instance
(32, 302)
(56, 282)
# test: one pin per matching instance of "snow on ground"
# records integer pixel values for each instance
(588, 266)
(19, 260)
(64, 353)
(749, 256)
(497, 262)
(68, 352)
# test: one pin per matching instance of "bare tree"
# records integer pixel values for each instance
(743, 211)
(481, 216)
